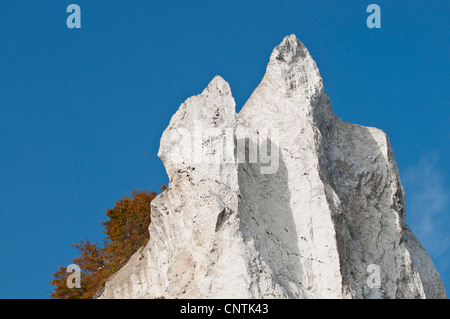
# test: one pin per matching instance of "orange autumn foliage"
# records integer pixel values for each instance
(125, 232)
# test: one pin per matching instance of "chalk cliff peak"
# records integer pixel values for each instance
(283, 200)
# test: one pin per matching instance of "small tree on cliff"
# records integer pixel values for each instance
(125, 231)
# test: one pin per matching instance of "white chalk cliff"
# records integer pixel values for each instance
(320, 215)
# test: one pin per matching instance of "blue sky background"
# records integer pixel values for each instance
(82, 110)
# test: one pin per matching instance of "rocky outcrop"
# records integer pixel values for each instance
(283, 200)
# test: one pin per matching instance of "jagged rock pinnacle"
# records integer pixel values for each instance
(290, 50)
(311, 208)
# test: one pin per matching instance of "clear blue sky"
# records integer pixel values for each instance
(82, 110)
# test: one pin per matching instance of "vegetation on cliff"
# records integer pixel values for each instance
(125, 231)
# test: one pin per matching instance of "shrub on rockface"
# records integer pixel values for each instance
(125, 231)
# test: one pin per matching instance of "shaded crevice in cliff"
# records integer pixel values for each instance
(268, 226)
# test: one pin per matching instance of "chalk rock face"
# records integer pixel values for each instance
(283, 200)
